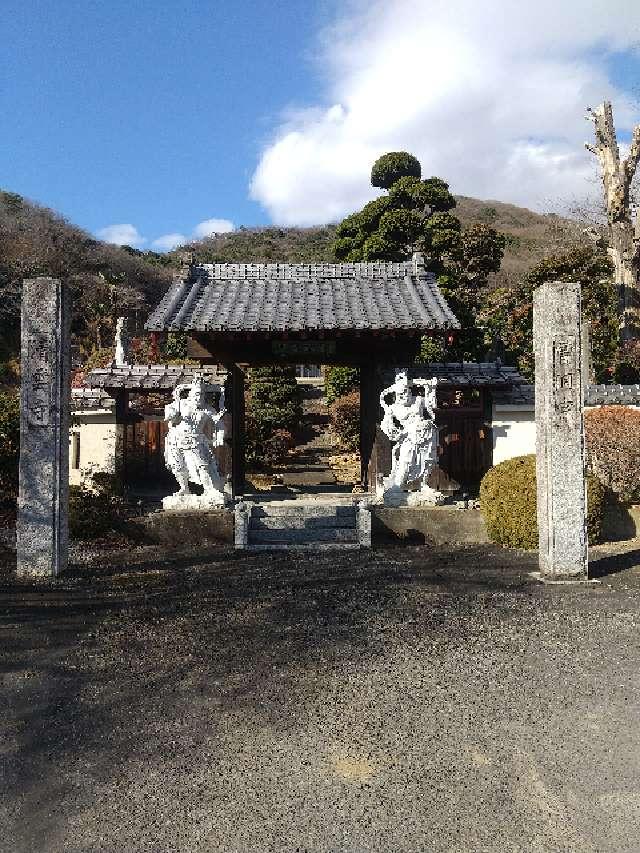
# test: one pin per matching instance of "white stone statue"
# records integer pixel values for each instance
(120, 358)
(409, 422)
(189, 451)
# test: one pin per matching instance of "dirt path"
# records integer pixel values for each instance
(403, 699)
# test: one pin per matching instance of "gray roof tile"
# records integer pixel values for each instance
(150, 376)
(612, 395)
(455, 373)
(298, 297)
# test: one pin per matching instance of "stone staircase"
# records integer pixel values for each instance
(308, 464)
(284, 526)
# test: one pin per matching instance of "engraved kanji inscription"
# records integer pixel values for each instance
(565, 401)
(39, 378)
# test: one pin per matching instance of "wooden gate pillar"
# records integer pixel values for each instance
(369, 405)
(237, 430)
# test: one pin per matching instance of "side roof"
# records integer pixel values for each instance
(150, 377)
(304, 297)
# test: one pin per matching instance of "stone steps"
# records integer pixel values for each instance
(306, 526)
(302, 535)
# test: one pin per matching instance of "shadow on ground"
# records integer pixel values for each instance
(129, 647)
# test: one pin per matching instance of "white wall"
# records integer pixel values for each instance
(98, 436)
(514, 431)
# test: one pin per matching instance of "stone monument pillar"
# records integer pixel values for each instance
(42, 526)
(560, 449)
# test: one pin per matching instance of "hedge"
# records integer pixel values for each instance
(613, 449)
(509, 504)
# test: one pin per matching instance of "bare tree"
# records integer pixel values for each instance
(623, 220)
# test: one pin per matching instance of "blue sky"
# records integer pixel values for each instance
(158, 116)
(148, 112)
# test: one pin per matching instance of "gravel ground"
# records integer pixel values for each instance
(402, 699)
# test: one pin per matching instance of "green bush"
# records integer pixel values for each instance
(345, 419)
(94, 509)
(9, 444)
(508, 502)
(175, 347)
(509, 505)
(339, 381)
(274, 412)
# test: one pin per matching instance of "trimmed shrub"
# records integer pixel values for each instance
(273, 449)
(339, 381)
(392, 166)
(508, 503)
(94, 509)
(345, 419)
(613, 449)
(9, 445)
(274, 413)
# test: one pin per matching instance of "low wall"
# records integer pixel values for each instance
(186, 528)
(440, 525)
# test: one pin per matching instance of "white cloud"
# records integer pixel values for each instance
(167, 242)
(490, 96)
(212, 226)
(127, 234)
(124, 234)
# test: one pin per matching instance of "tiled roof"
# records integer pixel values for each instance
(300, 297)
(84, 399)
(595, 395)
(612, 395)
(150, 377)
(471, 373)
(515, 395)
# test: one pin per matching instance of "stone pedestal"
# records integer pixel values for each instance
(242, 514)
(189, 503)
(560, 450)
(363, 521)
(425, 496)
(42, 526)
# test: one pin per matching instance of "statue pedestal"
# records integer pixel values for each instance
(189, 502)
(395, 497)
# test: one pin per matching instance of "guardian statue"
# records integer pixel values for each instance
(410, 424)
(189, 450)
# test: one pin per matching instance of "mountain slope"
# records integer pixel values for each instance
(530, 237)
(105, 279)
(109, 280)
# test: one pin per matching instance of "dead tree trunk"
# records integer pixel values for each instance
(624, 239)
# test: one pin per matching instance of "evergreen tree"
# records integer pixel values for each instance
(415, 216)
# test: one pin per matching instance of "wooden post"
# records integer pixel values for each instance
(238, 469)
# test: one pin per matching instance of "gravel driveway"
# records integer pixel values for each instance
(401, 699)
